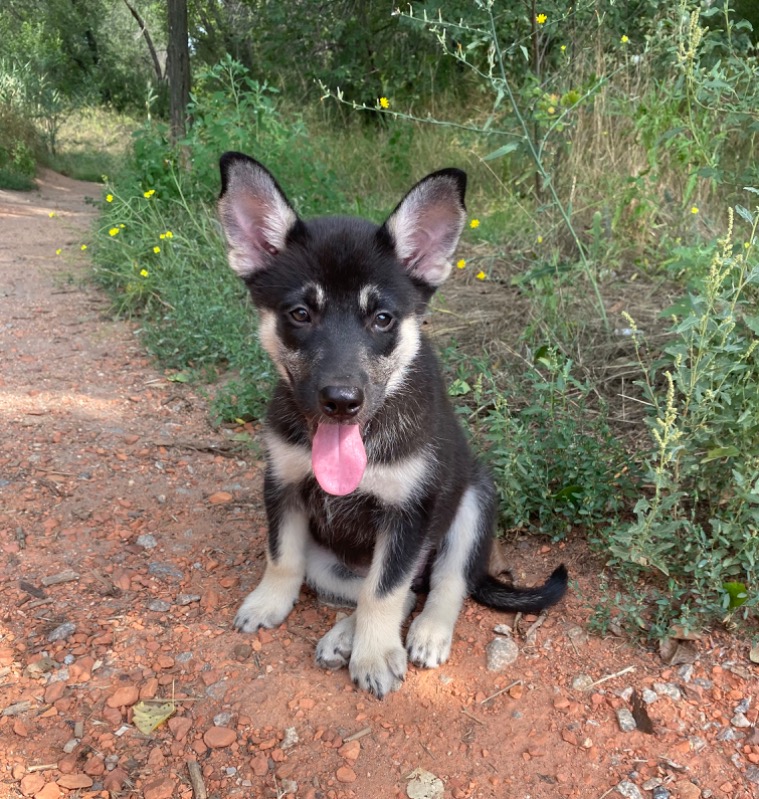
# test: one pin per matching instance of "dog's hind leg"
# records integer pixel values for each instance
(429, 638)
(270, 603)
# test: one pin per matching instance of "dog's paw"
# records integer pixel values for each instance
(262, 609)
(334, 649)
(379, 670)
(428, 642)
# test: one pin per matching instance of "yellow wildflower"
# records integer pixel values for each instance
(58, 251)
(461, 263)
(624, 40)
(148, 194)
(83, 247)
(51, 214)
(539, 239)
(156, 250)
(114, 231)
(481, 275)
(167, 235)
(563, 48)
(541, 19)
(475, 223)
(694, 209)
(144, 272)
(109, 198)
(551, 109)
(384, 102)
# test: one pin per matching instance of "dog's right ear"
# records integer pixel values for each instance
(254, 212)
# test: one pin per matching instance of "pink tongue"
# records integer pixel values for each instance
(338, 457)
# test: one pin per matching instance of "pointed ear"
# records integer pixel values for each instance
(426, 225)
(254, 212)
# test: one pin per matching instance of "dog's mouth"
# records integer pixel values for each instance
(338, 457)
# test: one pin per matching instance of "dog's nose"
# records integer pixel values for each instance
(341, 402)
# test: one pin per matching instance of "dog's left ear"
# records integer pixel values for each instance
(426, 225)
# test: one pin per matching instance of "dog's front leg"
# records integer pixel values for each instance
(378, 658)
(277, 592)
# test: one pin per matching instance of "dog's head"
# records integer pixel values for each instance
(340, 298)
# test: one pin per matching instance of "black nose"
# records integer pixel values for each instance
(341, 402)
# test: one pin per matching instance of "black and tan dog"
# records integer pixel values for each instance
(371, 489)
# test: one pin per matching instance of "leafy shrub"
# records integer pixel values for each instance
(698, 527)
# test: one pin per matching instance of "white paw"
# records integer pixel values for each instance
(263, 608)
(428, 642)
(378, 669)
(334, 649)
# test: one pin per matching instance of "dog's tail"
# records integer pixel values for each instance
(499, 596)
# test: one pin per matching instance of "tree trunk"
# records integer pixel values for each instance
(178, 68)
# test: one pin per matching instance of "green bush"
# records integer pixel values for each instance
(698, 525)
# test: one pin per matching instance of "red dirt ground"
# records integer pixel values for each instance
(113, 475)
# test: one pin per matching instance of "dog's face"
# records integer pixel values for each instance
(340, 299)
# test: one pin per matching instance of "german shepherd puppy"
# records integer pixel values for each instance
(371, 489)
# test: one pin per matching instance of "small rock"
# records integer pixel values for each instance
(501, 653)
(62, 631)
(648, 696)
(125, 696)
(287, 787)
(159, 605)
(582, 682)
(146, 541)
(626, 720)
(629, 790)
(164, 570)
(162, 788)
(668, 689)
(739, 720)
(49, 791)
(687, 790)
(502, 629)
(260, 764)
(728, 734)
(32, 783)
(73, 781)
(220, 498)
(660, 792)
(291, 738)
(179, 727)
(350, 751)
(752, 774)
(652, 784)
(424, 785)
(345, 774)
(743, 705)
(219, 737)
(685, 672)
(222, 719)
(114, 780)
(187, 599)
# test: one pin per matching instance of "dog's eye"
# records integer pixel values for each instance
(300, 315)
(382, 321)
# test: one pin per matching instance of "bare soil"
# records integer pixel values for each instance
(130, 530)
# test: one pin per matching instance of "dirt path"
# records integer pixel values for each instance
(129, 532)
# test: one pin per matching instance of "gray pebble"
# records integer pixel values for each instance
(752, 774)
(649, 785)
(187, 599)
(230, 771)
(739, 720)
(626, 720)
(702, 682)
(629, 790)
(668, 689)
(218, 690)
(184, 657)
(501, 652)
(222, 719)
(146, 541)
(164, 570)
(648, 696)
(685, 672)
(581, 682)
(728, 734)
(159, 605)
(291, 738)
(660, 792)
(502, 629)
(743, 705)
(62, 631)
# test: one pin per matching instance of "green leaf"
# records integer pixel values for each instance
(501, 151)
(179, 377)
(459, 388)
(737, 592)
(569, 493)
(720, 452)
(745, 213)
